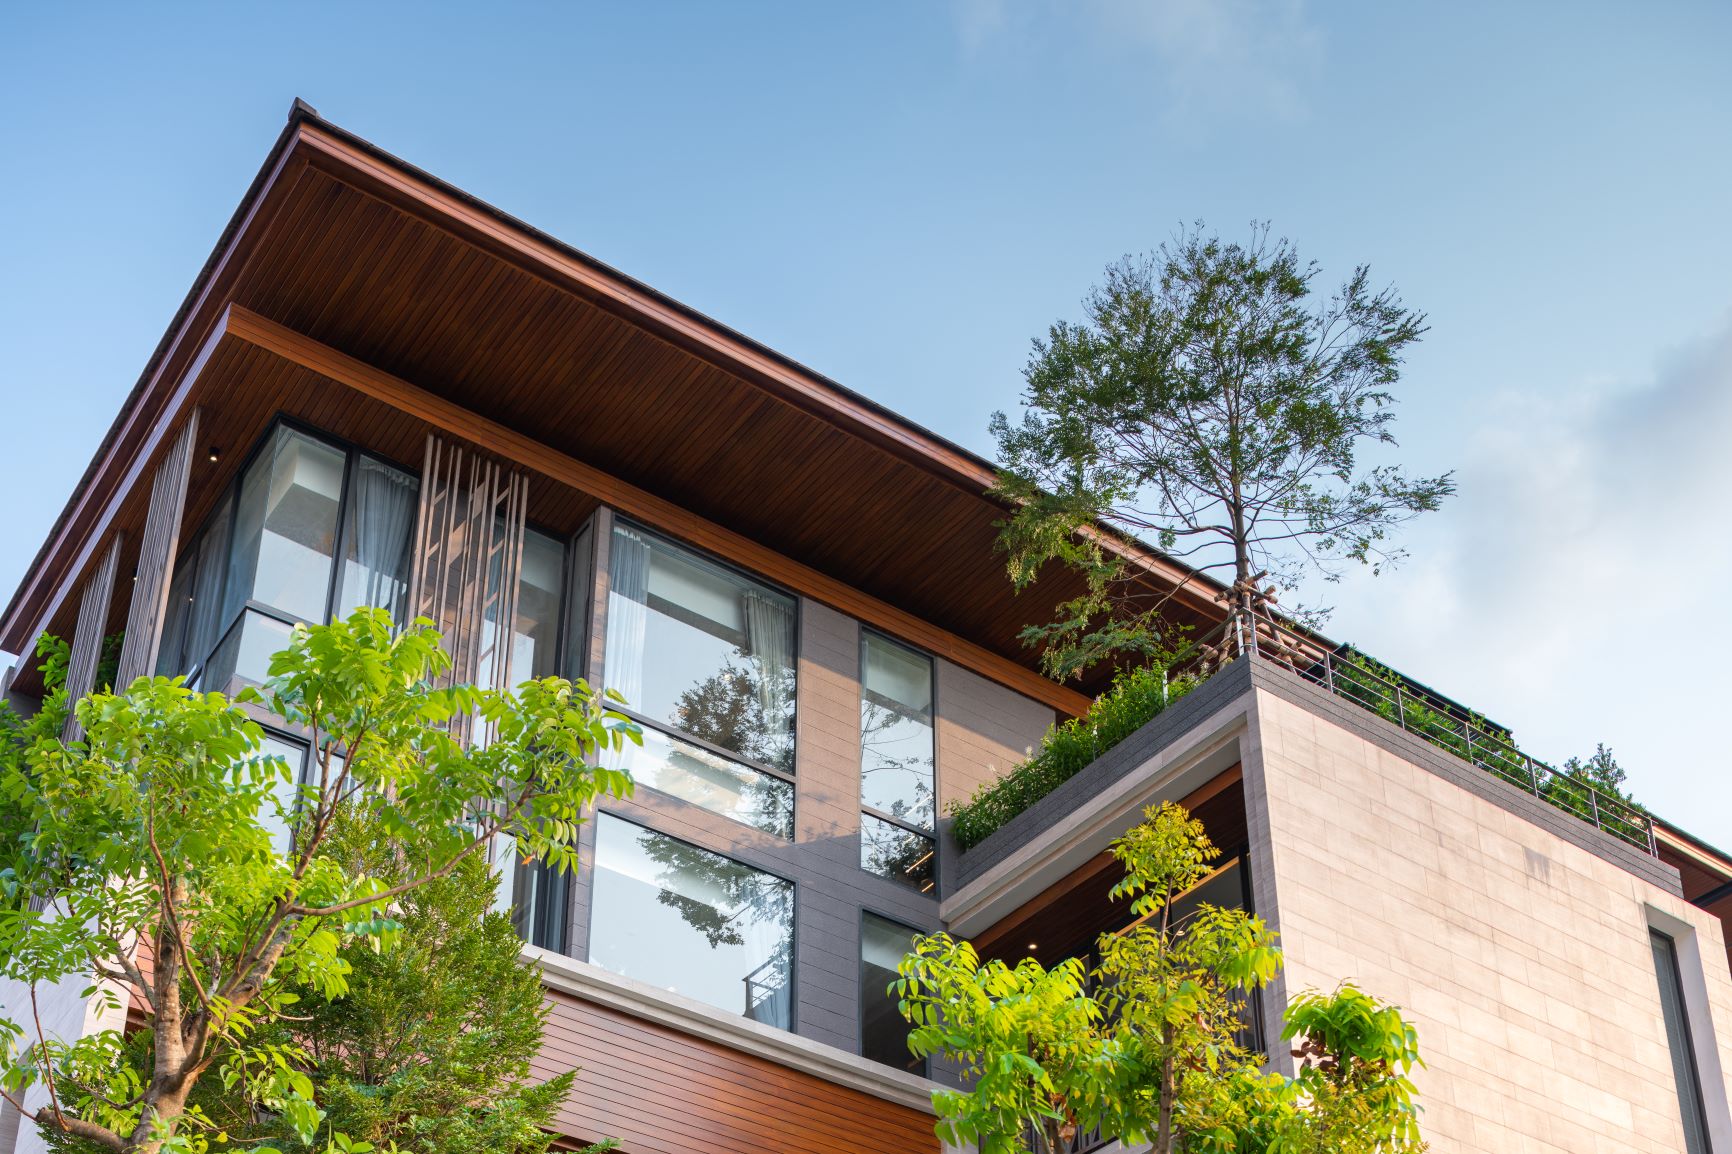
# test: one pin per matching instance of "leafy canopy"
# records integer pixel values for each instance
(171, 856)
(1146, 1046)
(429, 1050)
(1209, 406)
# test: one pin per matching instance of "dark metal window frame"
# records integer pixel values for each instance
(925, 1070)
(794, 889)
(1684, 1046)
(226, 509)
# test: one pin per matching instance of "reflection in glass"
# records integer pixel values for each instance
(883, 1030)
(206, 622)
(245, 654)
(896, 853)
(705, 778)
(1224, 889)
(896, 731)
(377, 541)
(195, 597)
(171, 656)
(286, 789)
(582, 591)
(286, 528)
(701, 648)
(1684, 1071)
(540, 896)
(692, 922)
(536, 637)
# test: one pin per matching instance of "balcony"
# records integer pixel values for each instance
(1049, 832)
(1451, 727)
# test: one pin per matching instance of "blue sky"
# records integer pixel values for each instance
(902, 195)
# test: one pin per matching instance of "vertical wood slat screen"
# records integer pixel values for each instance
(156, 557)
(86, 652)
(468, 558)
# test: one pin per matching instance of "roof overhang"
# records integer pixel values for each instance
(367, 265)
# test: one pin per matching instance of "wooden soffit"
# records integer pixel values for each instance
(362, 270)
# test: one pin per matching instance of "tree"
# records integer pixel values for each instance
(1208, 405)
(151, 857)
(1144, 1047)
(1593, 788)
(428, 1051)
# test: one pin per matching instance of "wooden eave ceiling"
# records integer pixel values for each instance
(347, 250)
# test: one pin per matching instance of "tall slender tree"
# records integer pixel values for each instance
(1211, 406)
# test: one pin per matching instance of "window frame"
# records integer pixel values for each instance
(1681, 1046)
(866, 912)
(929, 835)
(593, 873)
(226, 509)
(668, 727)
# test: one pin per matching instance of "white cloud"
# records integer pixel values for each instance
(1223, 55)
(1201, 58)
(1577, 588)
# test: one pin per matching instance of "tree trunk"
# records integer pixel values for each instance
(160, 1110)
(1164, 1124)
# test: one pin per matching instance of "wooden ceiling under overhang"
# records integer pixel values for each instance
(353, 251)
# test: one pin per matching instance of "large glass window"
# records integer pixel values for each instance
(540, 900)
(1677, 1020)
(378, 540)
(896, 762)
(708, 655)
(294, 754)
(883, 1030)
(308, 532)
(692, 922)
(286, 528)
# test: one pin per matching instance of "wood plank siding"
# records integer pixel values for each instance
(663, 1092)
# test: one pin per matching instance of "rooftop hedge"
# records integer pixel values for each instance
(1135, 698)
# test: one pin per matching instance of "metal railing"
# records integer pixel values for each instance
(1380, 690)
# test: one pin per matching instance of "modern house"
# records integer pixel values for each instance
(381, 391)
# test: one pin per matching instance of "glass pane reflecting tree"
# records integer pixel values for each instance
(707, 655)
(897, 793)
(883, 1030)
(692, 922)
(700, 648)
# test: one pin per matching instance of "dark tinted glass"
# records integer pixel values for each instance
(883, 1030)
(1678, 1039)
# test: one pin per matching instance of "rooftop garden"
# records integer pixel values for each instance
(1135, 698)
(1211, 405)
(1590, 789)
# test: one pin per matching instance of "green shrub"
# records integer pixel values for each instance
(1135, 698)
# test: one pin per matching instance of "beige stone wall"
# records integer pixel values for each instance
(1523, 960)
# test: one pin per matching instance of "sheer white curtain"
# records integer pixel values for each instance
(627, 614)
(383, 506)
(770, 633)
